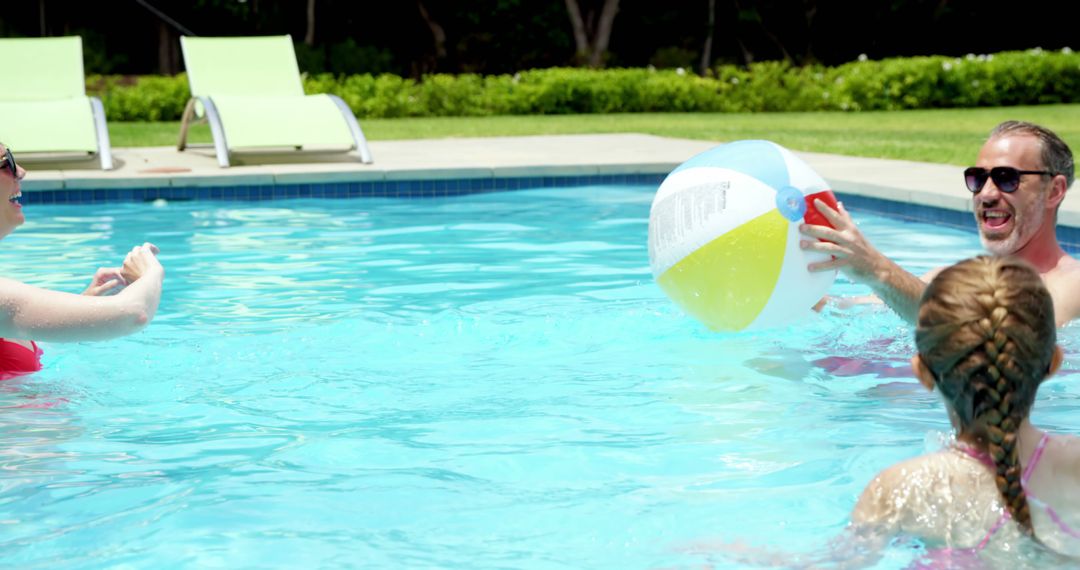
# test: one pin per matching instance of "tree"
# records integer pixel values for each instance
(438, 36)
(706, 50)
(309, 34)
(592, 30)
(749, 13)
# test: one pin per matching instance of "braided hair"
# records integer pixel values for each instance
(986, 331)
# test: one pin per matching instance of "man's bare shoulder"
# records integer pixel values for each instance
(1067, 266)
(1063, 281)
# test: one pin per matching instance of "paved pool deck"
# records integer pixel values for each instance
(898, 182)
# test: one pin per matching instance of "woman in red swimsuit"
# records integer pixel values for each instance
(31, 312)
(986, 339)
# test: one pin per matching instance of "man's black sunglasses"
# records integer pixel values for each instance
(9, 162)
(1006, 178)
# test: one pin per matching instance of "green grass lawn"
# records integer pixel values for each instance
(949, 136)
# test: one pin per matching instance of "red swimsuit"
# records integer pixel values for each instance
(16, 359)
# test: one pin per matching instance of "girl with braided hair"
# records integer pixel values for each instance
(986, 339)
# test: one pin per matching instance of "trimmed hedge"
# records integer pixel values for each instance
(1009, 78)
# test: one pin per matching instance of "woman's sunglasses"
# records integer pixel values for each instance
(9, 162)
(1006, 178)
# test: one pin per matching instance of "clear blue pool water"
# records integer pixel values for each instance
(488, 381)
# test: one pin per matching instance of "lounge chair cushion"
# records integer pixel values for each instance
(254, 87)
(60, 126)
(311, 122)
(41, 68)
(263, 65)
(43, 98)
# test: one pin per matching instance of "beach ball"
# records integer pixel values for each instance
(724, 236)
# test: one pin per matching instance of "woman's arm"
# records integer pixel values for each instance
(42, 314)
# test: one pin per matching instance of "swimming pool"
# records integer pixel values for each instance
(483, 381)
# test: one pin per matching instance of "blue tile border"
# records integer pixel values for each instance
(908, 211)
(1068, 236)
(364, 189)
(421, 189)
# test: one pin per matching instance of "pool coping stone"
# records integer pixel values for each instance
(402, 166)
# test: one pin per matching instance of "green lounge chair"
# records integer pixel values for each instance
(44, 110)
(249, 90)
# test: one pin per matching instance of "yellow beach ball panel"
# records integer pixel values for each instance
(692, 207)
(727, 282)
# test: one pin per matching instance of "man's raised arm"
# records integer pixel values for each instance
(862, 262)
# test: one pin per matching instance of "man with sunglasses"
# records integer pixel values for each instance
(1018, 183)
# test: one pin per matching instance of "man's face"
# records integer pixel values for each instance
(11, 215)
(1007, 222)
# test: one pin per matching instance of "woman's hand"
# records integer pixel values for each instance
(139, 261)
(110, 280)
(106, 281)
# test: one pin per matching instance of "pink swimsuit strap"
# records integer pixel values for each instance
(1035, 457)
(984, 457)
(980, 456)
(1024, 478)
(1061, 524)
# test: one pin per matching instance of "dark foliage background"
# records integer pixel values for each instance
(505, 36)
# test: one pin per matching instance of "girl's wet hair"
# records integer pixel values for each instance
(986, 330)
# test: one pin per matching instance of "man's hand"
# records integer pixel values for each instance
(861, 262)
(851, 252)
